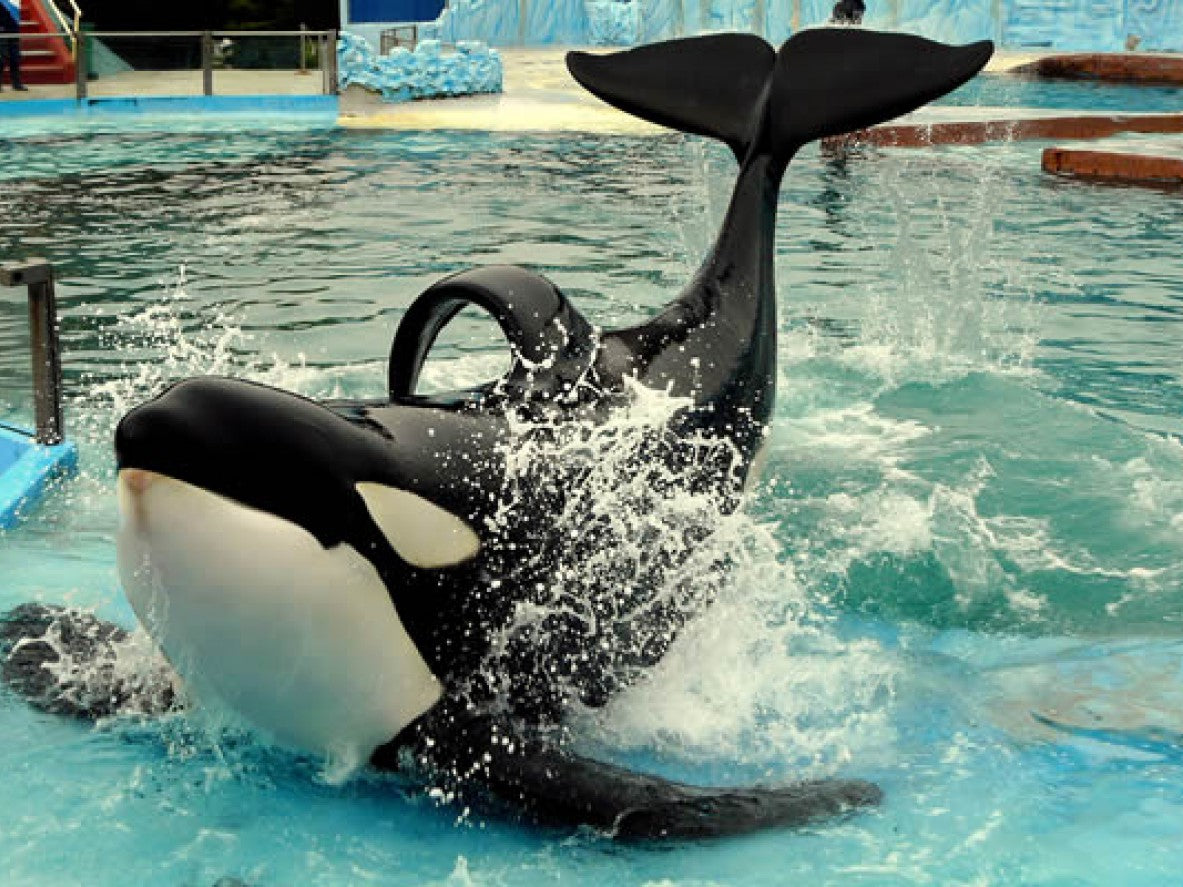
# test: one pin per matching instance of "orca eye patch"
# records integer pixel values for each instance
(423, 534)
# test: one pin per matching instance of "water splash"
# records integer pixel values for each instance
(66, 661)
(902, 264)
(165, 340)
(640, 545)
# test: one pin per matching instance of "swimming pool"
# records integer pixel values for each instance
(960, 577)
(1017, 90)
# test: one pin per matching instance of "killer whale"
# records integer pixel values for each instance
(342, 573)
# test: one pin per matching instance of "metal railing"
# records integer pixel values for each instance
(324, 41)
(37, 275)
(65, 23)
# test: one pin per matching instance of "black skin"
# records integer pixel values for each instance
(10, 50)
(493, 734)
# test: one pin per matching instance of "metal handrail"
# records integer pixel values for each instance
(37, 275)
(77, 17)
(59, 16)
(326, 39)
(64, 22)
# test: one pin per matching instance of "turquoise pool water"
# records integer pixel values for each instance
(1014, 90)
(960, 577)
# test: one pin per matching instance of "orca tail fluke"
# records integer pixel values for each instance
(830, 81)
(822, 82)
(710, 86)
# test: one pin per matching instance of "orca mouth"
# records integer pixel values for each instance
(131, 488)
(258, 446)
(137, 480)
(140, 493)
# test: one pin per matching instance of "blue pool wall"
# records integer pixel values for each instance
(27, 470)
(1063, 25)
(172, 112)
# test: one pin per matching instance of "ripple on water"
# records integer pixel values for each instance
(959, 576)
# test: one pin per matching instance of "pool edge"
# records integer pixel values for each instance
(26, 480)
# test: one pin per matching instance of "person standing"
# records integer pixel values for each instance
(846, 12)
(10, 52)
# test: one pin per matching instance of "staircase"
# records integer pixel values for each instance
(45, 59)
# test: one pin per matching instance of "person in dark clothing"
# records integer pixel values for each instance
(10, 52)
(848, 12)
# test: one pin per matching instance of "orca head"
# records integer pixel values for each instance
(273, 549)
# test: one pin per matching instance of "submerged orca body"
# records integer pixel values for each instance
(347, 576)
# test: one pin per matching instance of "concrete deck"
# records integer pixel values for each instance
(539, 96)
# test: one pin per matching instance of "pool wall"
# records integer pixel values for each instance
(1097, 25)
(27, 470)
(313, 109)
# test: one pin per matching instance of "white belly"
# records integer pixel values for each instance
(301, 641)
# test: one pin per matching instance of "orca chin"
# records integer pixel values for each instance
(360, 578)
(257, 616)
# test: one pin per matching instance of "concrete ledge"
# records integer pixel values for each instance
(1160, 70)
(1113, 166)
(925, 135)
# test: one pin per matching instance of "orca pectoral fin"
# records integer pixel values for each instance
(552, 785)
(560, 787)
(710, 813)
(66, 662)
